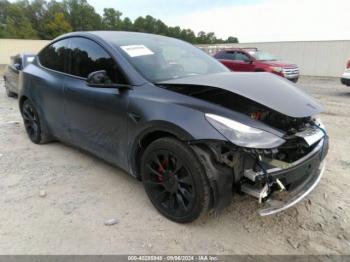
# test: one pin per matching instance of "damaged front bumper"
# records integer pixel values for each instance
(275, 205)
(300, 178)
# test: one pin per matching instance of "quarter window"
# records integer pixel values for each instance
(54, 55)
(87, 57)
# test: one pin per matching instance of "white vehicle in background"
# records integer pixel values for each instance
(345, 79)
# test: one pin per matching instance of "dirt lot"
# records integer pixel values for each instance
(79, 193)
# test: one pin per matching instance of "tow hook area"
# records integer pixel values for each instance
(263, 192)
(275, 204)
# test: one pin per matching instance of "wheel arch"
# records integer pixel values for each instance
(21, 101)
(146, 137)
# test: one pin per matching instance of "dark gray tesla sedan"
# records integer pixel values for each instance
(175, 118)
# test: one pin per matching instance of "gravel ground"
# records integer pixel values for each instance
(56, 199)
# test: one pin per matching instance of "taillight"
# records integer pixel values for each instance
(348, 65)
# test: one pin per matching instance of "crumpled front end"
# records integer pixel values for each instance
(275, 146)
(277, 177)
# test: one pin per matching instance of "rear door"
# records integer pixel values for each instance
(48, 83)
(97, 116)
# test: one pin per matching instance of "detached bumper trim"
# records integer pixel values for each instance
(294, 196)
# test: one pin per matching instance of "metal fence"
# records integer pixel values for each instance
(314, 58)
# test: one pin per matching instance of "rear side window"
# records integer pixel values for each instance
(87, 56)
(229, 55)
(54, 55)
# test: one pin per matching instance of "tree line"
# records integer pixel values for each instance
(41, 19)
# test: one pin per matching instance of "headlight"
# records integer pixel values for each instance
(243, 135)
(277, 69)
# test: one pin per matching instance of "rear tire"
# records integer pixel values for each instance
(33, 124)
(175, 180)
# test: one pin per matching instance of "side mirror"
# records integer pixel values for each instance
(101, 79)
(17, 66)
(98, 79)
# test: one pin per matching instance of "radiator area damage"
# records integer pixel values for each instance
(243, 105)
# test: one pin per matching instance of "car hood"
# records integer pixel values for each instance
(266, 89)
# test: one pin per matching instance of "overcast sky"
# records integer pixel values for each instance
(249, 20)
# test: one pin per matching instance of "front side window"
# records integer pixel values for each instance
(262, 56)
(241, 57)
(54, 56)
(87, 56)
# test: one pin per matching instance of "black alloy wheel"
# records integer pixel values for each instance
(31, 122)
(174, 181)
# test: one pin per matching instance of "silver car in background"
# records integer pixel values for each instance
(11, 75)
(345, 79)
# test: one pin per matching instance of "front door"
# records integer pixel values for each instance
(243, 62)
(96, 116)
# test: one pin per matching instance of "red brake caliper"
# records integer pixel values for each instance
(161, 169)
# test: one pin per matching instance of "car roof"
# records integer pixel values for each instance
(240, 49)
(109, 36)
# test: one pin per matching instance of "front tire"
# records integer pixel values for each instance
(174, 180)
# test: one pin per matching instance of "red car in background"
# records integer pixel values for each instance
(254, 60)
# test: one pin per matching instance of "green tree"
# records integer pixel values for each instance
(174, 31)
(82, 16)
(139, 24)
(188, 35)
(58, 26)
(4, 5)
(112, 19)
(46, 19)
(202, 38)
(17, 25)
(232, 39)
(35, 11)
(127, 24)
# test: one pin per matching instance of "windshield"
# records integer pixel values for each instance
(262, 56)
(160, 58)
